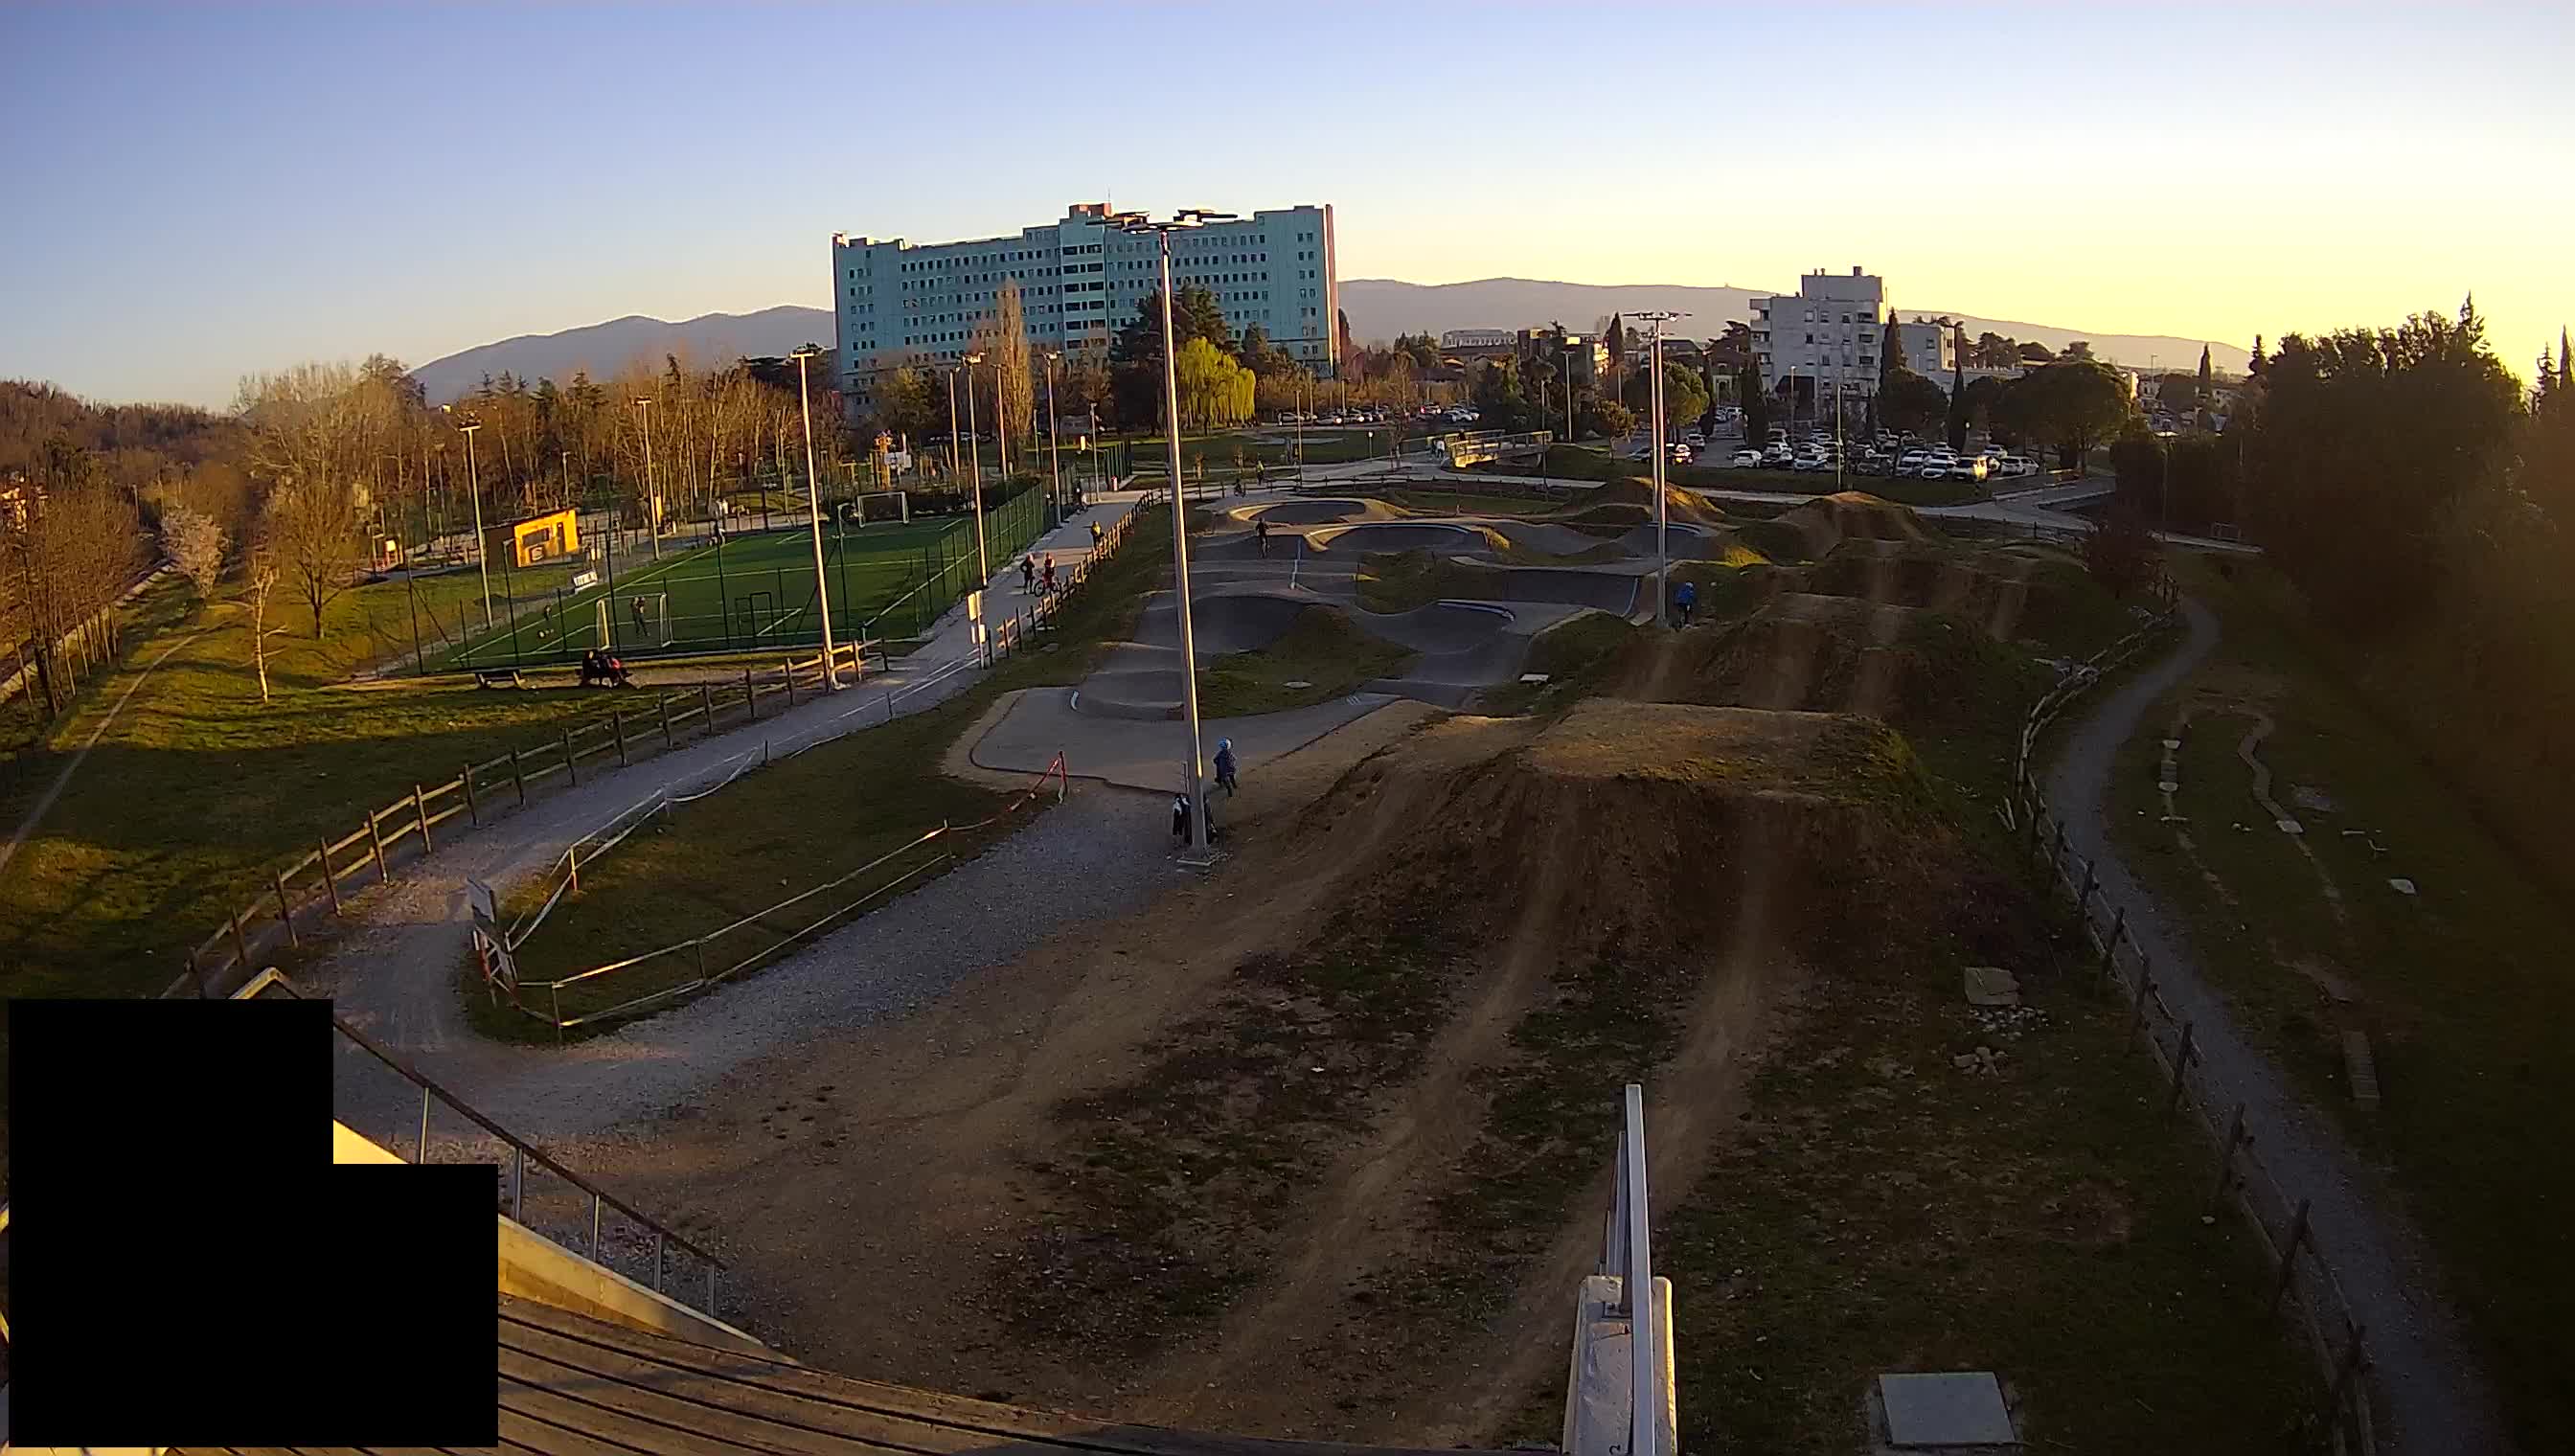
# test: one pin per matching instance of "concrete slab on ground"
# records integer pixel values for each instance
(1146, 753)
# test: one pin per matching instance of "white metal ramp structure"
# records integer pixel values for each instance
(1620, 1398)
(1478, 447)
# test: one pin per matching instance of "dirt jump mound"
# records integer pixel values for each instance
(1992, 591)
(1513, 921)
(1637, 493)
(1828, 520)
(1805, 651)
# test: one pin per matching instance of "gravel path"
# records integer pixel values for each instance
(2432, 1396)
(394, 974)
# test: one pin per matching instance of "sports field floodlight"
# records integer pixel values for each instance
(1655, 319)
(652, 501)
(813, 512)
(1194, 778)
(474, 488)
(975, 443)
(1054, 451)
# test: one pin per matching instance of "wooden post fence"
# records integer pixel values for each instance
(2290, 1255)
(420, 814)
(706, 701)
(375, 836)
(473, 811)
(750, 697)
(329, 879)
(2111, 946)
(617, 723)
(2181, 1066)
(285, 910)
(2226, 1161)
(241, 942)
(2145, 988)
(572, 774)
(789, 667)
(664, 702)
(519, 777)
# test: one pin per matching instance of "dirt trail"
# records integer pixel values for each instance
(2432, 1395)
(862, 1176)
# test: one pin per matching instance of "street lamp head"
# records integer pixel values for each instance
(807, 351)
(1187, 217)
(974, 359)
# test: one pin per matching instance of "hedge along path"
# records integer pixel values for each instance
(2395, 1369)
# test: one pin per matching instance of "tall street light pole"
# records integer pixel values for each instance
(1193, 773)
(652, 499)
(1055, 447)
(956, 447)
(474, 488)
(813, 514)
(974, 443)
(1655, 319)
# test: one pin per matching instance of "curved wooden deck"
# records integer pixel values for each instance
(573, 1386)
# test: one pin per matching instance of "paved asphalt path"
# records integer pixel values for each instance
(2431, 1394)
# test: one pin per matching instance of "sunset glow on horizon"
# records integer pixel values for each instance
(2199, 172)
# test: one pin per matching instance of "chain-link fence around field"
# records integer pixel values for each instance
(2240, 1180)
(725, 589)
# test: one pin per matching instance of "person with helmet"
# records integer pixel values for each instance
(1225, 778)
(1687, 599)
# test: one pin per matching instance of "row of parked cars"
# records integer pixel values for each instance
(1888, 457)
(1371, 415)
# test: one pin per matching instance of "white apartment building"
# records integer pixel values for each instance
(1831, 328)
(1080, 280)
(1929, 350)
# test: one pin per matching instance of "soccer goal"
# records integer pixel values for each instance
(880, 506)
(642, 618)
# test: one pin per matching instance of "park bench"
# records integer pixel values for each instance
(502, 678)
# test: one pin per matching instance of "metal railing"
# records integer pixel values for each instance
(1627, 1252)
(1609, 1411)
(522, 1151)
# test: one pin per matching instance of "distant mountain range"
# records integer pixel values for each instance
(1379, 308)
(605, 349)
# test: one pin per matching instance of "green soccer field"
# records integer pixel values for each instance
(752, 592)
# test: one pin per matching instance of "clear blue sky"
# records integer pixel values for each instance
(194, 191)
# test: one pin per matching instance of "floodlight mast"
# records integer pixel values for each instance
(1194, 777)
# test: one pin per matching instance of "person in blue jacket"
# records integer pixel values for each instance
(1687, 599)
(1225, 778)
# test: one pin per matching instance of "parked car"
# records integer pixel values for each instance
(1747, 459)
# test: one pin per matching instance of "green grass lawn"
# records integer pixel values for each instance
(756, 590)
(198, 790)
(1321, 648)
(1398, 580)
(1576, 656)
(2460, 988)
(775, 833)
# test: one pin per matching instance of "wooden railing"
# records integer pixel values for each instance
(297, 895)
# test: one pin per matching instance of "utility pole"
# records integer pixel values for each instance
(652, 498)
(813, 512)
(1055, 446)
(1656, 317)
(974, 443)
(1193, 773)
(474, 488)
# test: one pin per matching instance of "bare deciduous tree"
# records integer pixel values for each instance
(195, 545)
(263, 579)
